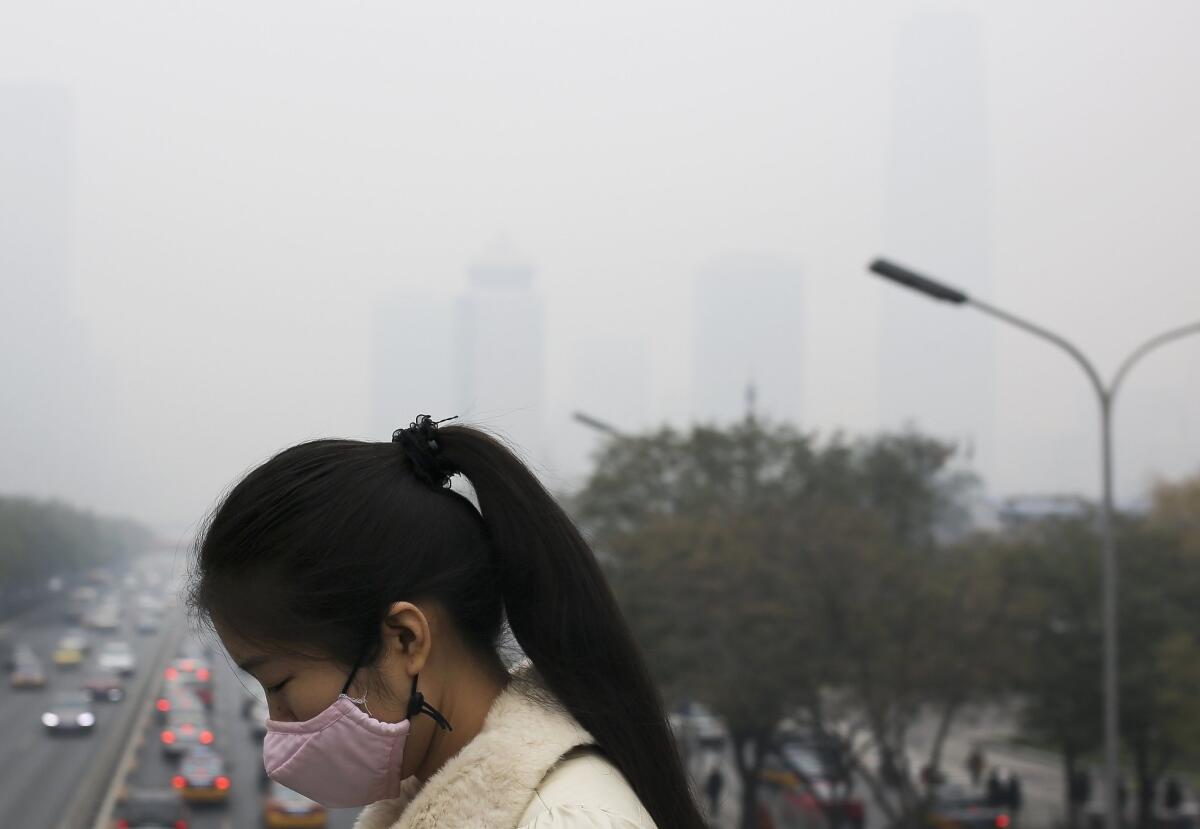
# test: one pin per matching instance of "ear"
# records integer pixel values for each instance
(407, 636)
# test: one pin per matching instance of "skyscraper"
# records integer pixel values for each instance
(937, 371)
(748, 333)
(500, 352)
(49, 425)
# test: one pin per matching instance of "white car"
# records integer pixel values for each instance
(117, 657)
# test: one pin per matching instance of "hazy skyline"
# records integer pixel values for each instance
(253, 183)
(936, 214)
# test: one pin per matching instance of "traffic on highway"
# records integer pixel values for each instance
(119, 716)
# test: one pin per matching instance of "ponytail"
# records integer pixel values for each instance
(564, 615)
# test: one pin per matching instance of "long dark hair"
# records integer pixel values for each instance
(313, 546)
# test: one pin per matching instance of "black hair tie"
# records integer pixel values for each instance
(421, 446)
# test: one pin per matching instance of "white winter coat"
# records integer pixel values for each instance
(532, 766)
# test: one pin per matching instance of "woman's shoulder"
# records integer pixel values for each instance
(585, 791)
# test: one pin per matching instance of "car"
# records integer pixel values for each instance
(72, 647)
(815, 766)
(698, 726)
(78, 602)
(149, 603)
(105, 687)
(69, 711)
(286, 809)
(117, 656)
(146, 622)
(183, 732)
(65, 656)
(954, 807)
(105, 617)
(202, 777)
(194, 674)
(178, 700)
(27, 671)
(146, 808)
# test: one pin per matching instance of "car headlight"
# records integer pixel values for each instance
(87, 718)
(50, 720)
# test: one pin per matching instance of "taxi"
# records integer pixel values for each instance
(202, 777)
(286, 809)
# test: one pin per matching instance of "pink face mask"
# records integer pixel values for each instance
(343, 757)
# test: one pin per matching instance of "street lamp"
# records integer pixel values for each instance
(1105, 395)
(597, 424)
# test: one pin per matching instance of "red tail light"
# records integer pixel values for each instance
(168, 737)
(206, 737)
(181, 824)
(122, 824)
(171, 674)
(1001, 821)
(178, 781)
(222, 783)
(202, 674)
(163, 705)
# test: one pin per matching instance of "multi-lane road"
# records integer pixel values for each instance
(44, 774)
(237, 744)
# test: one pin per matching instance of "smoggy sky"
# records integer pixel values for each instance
(252, 178)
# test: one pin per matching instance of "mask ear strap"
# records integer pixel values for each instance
(353, 671)
(418, 705)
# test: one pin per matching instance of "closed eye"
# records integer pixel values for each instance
(274, 689)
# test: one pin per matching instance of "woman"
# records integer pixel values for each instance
(369, 600)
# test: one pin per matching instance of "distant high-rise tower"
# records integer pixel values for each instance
(937, 371)
(500, 353)
(749, 332)
(47, 442)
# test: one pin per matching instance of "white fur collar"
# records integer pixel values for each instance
(490, 781)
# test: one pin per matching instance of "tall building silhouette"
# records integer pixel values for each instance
(500, 353)
(937, 366)
(46, 381)
(748, 332)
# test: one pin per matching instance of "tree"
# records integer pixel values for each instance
(40, 539)
(1056, 614)
(771, 574)
(1056, 566)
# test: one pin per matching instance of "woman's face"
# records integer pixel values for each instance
(299, 688)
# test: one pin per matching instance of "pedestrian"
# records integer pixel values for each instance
(368, 599)
(975, 764)
(1173, 796)
(712, 787)
(1013, 798)
(1081, 787)
(996, 794)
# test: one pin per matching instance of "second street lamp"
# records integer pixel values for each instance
(1105, 395)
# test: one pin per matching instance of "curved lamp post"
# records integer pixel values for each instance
(1105, 395)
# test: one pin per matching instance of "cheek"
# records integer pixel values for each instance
(303, 698)
(304, 704)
